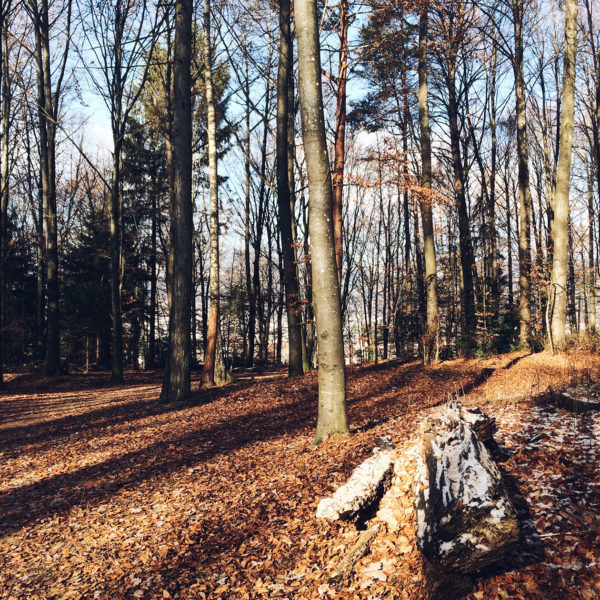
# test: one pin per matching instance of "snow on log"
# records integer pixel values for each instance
(366, 485)
(465, 519)
(579, 399)
(484, 426)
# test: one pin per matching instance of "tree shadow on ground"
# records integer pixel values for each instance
(35, 383)
(90, 484)
(116, 413)
(58, 494)
(438, 386)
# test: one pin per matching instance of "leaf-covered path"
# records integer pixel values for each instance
(106, 494)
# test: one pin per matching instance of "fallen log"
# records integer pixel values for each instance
(483, 425)
(579, 399)
(366, 485)
(465, 519)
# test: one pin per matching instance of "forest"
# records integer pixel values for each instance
(252, 250)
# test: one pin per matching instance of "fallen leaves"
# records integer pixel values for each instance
(105, 494)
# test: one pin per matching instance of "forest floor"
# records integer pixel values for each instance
(104, 493)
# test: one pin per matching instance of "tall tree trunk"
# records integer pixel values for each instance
(176, 384)
(310, 320)
(151, 360)
(249, 346)
(491, 208)
(340, 138)
(291, 150)
(209, 376)
(116, 237)
(332, 418)
(591, 276)
(595, 161)
(35, 182)
(4, 176)
(292, 293)
(509, 239)
(524, 191)
(467, 259)
(557, 304)
(431, 337)
(47, 140)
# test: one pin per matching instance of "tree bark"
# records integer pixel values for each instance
(4, 175)
(467, 259)
(332, 418)
(557, 304)
(176, 384)
(431, 337)
(151, 358)
(523, 175)
(47, 113)
(116, 237)
(591, 278)
(292, 293)
(213, 372)
(340, 138)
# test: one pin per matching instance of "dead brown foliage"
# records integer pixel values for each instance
(106, 494)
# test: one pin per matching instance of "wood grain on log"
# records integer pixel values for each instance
(358, 550)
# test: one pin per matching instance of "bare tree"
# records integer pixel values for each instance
(176, 384)
(332, 418)
(431, 337)
(214, 371)
(49, 95)
(524, 191)
(5, 100)
(292, 294)
(557, 302)
(120, 37)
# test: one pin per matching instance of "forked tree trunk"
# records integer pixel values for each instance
(176, 384)
(332, 417)
(524, 191)
(431, 337)
(292, 294)
(557, 302)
